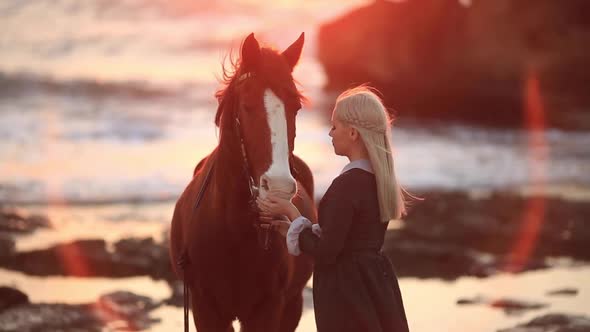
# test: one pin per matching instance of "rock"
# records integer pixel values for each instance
(39, 221)
(49, 317)
(6, 245)
(554, 323)
(125, 310)
(177, 297)
(418, 258)
(126, 304)
(563, 291)
(452, 234)
(13, 222)
(146, 254)
(510, 306)
(81, 258)
(476, 300)
(438, 59)
(508, 264)
(493, 224)
(90, 258)
(10, 297)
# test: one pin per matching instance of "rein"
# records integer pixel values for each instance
(183, 261)
(251, 184)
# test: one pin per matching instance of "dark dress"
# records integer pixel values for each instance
(354, 285)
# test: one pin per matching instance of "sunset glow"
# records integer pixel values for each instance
(107, 107)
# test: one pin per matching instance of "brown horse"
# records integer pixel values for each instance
(229, 267)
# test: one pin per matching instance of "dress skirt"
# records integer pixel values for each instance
(359, 293)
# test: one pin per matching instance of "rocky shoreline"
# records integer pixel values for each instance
(125, 310)
(452, 234)
(130, 257)
(446, 235)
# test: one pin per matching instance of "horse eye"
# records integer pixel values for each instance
(264, 185)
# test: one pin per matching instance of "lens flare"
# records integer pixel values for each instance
(537, 156)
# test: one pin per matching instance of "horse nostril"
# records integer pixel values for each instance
(264, 184)
(294, 188)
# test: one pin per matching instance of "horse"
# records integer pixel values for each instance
(234, 266)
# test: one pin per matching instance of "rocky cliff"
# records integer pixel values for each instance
(487, 63)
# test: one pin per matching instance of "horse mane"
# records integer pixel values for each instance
(231, 70)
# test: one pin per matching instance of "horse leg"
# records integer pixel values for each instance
(266, 317)
(291, 314)
(206, 318)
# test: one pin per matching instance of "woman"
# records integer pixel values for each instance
(354, 285)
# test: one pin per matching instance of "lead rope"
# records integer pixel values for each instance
(186, 304)
(183, 261)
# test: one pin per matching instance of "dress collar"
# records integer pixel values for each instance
(363, 164)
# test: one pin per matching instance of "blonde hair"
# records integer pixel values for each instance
(363, 110)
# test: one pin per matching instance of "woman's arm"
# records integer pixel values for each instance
(336, 216)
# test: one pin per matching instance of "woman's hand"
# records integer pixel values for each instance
(277, 211)
(281, 225)
(274, 205)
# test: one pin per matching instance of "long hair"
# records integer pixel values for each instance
(363, 110)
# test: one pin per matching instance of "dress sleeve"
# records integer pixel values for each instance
(335, 216)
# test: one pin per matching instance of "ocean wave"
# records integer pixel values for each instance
(17, 85)
(88, 192)
(131, 8)
(179, 8)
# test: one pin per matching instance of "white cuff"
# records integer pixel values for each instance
(292, 238)
(317, 230)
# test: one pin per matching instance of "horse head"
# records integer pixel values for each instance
(256, 115)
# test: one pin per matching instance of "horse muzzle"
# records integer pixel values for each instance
(281, 186)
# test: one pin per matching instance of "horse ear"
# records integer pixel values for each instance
(250, 54)
(293, 52)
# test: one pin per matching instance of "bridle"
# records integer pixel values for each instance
(262, 229)
(246, 170)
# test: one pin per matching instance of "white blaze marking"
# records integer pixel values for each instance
(277, 122)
